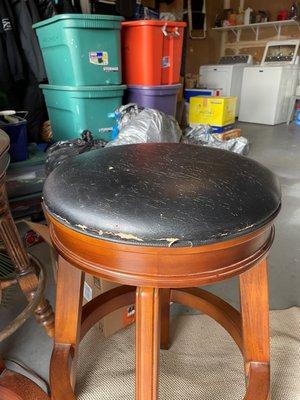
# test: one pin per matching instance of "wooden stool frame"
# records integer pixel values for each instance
(30, 275)
(26, 269)
(14, 386)
(152, 277)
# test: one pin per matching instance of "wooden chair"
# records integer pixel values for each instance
(27, 267)
(14, 386)
(30, 276)
(161, 219)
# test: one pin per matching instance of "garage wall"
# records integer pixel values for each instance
(265, 33)
(272, 6)
(207, 51)
(201, 52)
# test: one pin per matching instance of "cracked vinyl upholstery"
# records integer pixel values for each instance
(162, 194)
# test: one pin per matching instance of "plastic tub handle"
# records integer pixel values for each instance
(174, 33)
(24, 113)
(164, 30)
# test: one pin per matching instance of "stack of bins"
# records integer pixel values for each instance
(82, 55)
(151, 55)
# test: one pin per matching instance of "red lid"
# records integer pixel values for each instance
(152, 22)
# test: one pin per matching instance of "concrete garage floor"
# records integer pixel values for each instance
(278, 148)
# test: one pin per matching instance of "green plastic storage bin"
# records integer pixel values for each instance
(74, 109)
(81, 49)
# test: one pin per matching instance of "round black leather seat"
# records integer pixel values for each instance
(162, 194)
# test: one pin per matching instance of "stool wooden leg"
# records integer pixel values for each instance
(26, 275)
(254, 300)
(147, 342)
(165, 319)
(67, 317)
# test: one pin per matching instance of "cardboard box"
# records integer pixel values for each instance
(118, 319)
(216, 111)
(188, 93)
(232, 134)
(221, 129)
(93, 286)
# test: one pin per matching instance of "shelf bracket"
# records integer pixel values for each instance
(235, 32)
(255, 30)
(279, 32)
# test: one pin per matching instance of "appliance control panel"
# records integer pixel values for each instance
(236, 59)
(281, 52)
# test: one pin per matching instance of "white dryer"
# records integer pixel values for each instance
(226, 76)
(268, 88)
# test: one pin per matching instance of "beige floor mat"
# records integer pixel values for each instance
(203, 362)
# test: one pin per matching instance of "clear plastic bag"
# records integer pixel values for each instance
(146, 126)
(202, 135)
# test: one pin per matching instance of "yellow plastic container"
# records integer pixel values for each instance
(215, 111)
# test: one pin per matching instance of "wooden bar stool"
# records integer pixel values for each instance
(30, 276)
(15, 386)
(160, 219)
(29, 273)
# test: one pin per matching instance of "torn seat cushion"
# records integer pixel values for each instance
(162, 194)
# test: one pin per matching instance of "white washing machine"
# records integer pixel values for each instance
(268, 88)
(226, 76)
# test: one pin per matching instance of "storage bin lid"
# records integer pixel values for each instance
(83, 17)
(176, 86)
(158, 90)
(149, 22)
(105, 88)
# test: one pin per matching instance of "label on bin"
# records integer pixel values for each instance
(111, 69)
(165, 62)
(98, 57)
(106, 129)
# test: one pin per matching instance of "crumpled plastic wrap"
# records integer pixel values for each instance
(146, 126)
(63, 150)
(126, 113)
(202, 135)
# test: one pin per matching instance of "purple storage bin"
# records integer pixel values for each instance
(162, 97)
